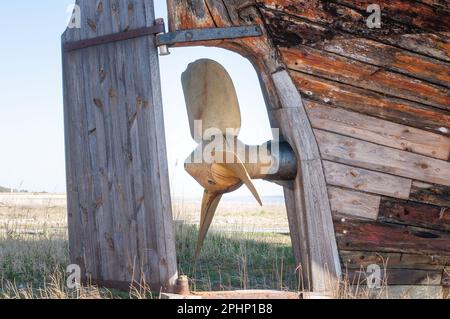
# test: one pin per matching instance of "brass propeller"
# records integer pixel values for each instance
(213, 111)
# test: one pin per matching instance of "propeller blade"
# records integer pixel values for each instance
(210, 203)
(210, 97)
(237, 168)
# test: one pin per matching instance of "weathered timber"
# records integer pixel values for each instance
(431, 194)
(378, 131)
(120, 221)
(354, 152)
(319, 260)
(362, 259)
(415, 214)
(367, 181)
(446, 276)
(439, 4)
(398, 277)
(313, 211)
(357, 205)
(388, 57)
(382, 237)
(292, 22)
(372, 103)
(362, 75)
(410, 13)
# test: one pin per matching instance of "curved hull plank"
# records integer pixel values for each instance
(378, 105)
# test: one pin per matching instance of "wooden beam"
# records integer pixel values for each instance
(119, 207)
(313, 213)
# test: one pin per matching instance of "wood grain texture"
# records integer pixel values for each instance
(371, 156)
(431, 194)
(396, 277)
(366, 181)
(292, 22)
(362, 259)
(362, 75)
(372, 103)
(378, 131)
(120, 220)
(415, 214)
(357, 205)
(389, 57)
(382, 237)
(313, 211)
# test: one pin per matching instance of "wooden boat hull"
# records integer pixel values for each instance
(378, 104)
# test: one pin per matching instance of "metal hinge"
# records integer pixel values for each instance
(165, 40)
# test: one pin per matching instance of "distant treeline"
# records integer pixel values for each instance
(8, 190)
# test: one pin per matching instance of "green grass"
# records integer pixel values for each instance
(34, 255)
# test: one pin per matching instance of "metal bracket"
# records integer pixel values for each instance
(164, 40)
(158, 28)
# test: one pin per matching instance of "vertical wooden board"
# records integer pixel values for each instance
(367, 181)
(371, 156)
(378, 131)
(352, 204)
(118, 191)
(311, 199)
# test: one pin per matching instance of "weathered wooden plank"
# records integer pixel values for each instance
(431, 194)
(390, 58)
(357, 205)
(358, 259)
(440, 4)
(414, 292)
(312, 205)
(446, 276)
(378, 131)
(372, 103)
(393, 277)
(122, 233)
(371, 156)
(415, 214)
(411, 13)
(367, 181)
(376, 236)
(362, 75)
(307, 22)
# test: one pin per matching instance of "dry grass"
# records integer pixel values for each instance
(248, 248)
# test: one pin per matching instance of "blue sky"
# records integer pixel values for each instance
(31, 109)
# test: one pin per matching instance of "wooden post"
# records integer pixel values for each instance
(119, 206)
